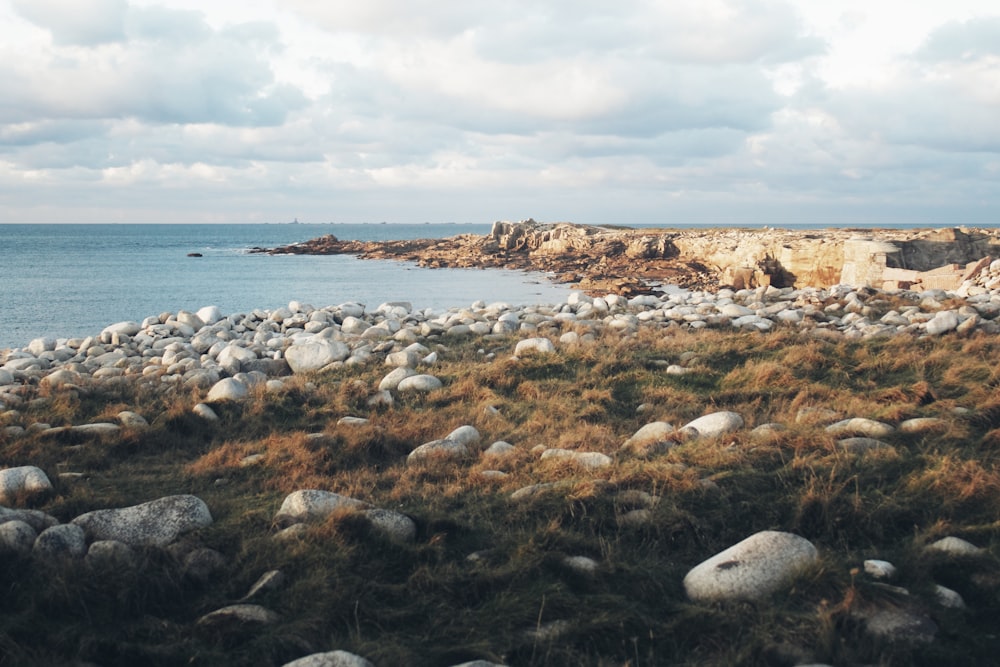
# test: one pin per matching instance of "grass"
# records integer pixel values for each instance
(485, 571)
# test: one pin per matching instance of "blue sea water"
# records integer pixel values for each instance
(66, 281)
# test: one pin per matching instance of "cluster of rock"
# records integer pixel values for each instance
(198, 350)
(102, 536)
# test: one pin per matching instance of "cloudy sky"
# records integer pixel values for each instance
(633, 111)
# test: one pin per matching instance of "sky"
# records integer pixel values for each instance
(717, 112)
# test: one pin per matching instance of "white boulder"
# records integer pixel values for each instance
(438, 449)
(942, 322)
(309, 504)
(534, 346)
(752, 569)
(16, 537)
(419, 383)
(156, 523)
(713, 425)
(861, 426)
(330, 659)
(227, 389)
(314, 355)
(23, 480)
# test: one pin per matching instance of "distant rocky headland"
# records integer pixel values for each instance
(627, 261)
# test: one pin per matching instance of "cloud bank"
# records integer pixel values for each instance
(708, 111)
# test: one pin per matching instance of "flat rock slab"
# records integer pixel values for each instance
(752, 569)
(861, 426)
(156, 523)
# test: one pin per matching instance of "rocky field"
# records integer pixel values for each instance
(768, 476)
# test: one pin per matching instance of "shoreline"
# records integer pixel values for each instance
(199, 350)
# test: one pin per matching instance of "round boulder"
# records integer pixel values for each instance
(714, 424)
(752, 569)
(21, 481)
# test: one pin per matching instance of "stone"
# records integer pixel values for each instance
(714, 425)
(953, 546)
(62, 378)
(394, 377)
(946, 597)
(205, 412)
(209, 314)
(22, 481)
(155, 523)
(16, 537)
(310, 504)
(38, 520)
(862, 445)
(588, 460)
(942, 322)
(531, 491)
(100, 428)
(330, 659)
(394, 525)
(40, 345)
(752, 569)
(534, 346)
(131, 419)
(467, 435)
(126, 328)
(499, 448)
(438, 449)
(581, 564)
(655, 437)
(861, 426)
(202, 564)
(880, 569)
(62, 541)
(900, 624)
(924, 425)
(110, 554)
(236, 615)
(419, 383)
(269, 581)
(314, 355)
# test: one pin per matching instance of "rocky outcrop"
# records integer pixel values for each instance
(626, 261)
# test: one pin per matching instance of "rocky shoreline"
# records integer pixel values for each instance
(625, 261)
(223, 359)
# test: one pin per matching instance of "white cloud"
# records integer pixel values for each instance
(465, 110)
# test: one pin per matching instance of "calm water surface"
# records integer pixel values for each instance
(73, 280)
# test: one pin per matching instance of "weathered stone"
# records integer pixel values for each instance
(467, 435)
(62, 541)
(713, 425)
(419, 383)
(438, 449)
(394, 525)
(862, 445)
(236, 615)
(585, 459)
(316, 354)
(269, 581)
(880, 569)
(131, 419)
(22, 481)
(923, 425)
(534, 346)
(953, 546)
(861, 426)
(899, 624)
(205, 412)
(499, 448)
(653, 438)
(110, 554)
(155, 523)
(752, 569)
(330, 659)
(942, 322)
(308, 504)
(16, 537)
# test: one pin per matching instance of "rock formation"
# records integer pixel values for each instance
(626, 261)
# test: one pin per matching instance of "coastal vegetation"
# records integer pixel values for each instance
(493, 574)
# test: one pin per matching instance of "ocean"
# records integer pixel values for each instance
(67, 281)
